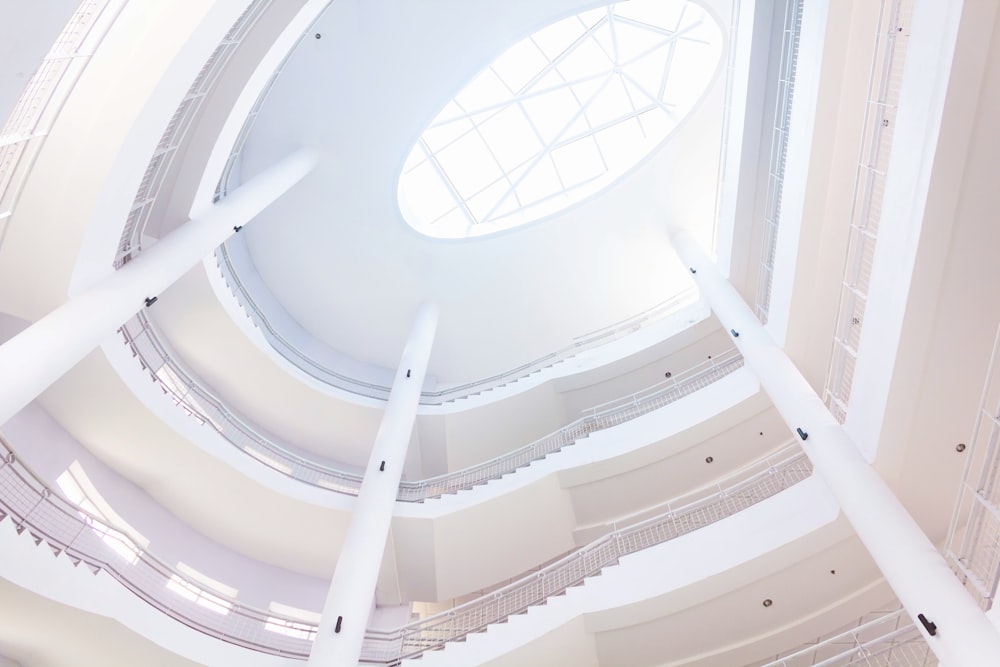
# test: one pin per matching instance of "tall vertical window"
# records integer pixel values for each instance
(559, 116)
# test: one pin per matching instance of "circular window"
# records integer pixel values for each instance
(559, 116)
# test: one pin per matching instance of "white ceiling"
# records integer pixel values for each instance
(361, 95)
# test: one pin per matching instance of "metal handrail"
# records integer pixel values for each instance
(890, 640)
(972, 546)
(175, 134)
(329, 376)
(200, 404)
(771, 216)
(68, 530)
(884, 85)
(25, 130)
(774, 474)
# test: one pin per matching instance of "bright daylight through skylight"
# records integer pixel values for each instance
(559, 116)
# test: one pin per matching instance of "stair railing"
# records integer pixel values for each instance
(200, 404)
(758, 482)
(68, 531)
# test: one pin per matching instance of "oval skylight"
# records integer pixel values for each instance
(559, 116)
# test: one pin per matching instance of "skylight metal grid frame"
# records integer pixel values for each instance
(495, 196)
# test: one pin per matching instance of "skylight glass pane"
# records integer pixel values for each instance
(520, 64)
(469, 164)
(453, 223)
(481, 204)
(593, 17)
(441, 136)
(557, 37)
(635, 42)
(427, 195)
(588, 57)
(540, 181)
(610, 104)
(511, 136)
(648, 70)
(665, 15)
(618, 144)
(559, 116)
(579, 161)
(551, 113)
(485, 90)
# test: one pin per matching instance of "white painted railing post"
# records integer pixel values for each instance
(348, 604)
(42, 353)
(912, 566)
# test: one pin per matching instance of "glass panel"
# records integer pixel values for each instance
(560, 115)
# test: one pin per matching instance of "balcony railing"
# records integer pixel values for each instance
(200, 404)
(326, 375)
(973, 543)
(880, 122)
(889, 640)
(48, 89)
(175, 134)
(778, 153)
(68, 531)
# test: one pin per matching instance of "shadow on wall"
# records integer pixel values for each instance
(10, 326)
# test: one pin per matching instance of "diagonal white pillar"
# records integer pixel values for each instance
(348, 604)
(912, 566)
(42, 353)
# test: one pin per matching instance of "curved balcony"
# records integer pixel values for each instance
(67, 530)
(327, 375)
(890, 639)
(199, 403)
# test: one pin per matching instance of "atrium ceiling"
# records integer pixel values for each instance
(342, 262)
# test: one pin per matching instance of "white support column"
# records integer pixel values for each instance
(42, 353)
(348, 604)
(917, 573)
